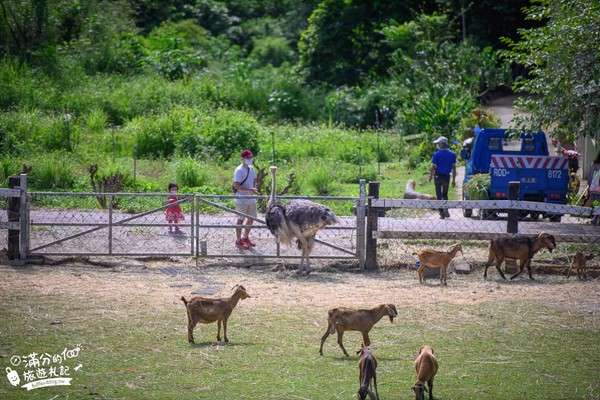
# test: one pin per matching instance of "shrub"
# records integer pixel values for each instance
(228, 132)
(323, 181)
(478, 187)
(52, 172)
(190, 173)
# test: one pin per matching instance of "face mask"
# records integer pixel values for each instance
(248, 161)
(174, 191)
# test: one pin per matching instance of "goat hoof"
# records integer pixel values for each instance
(227, 340)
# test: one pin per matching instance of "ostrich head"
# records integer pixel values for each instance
(273, 186)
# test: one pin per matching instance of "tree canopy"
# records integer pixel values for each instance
(563, 62)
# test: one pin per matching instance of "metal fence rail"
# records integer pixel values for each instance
(138, 227)
(419, 219)
(216, 225)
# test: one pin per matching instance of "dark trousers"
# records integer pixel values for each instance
(442, 184)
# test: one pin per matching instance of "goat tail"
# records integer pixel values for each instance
(184, 300)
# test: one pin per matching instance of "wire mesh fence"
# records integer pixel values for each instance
(217, 223)
(412, 225)
(131, 224)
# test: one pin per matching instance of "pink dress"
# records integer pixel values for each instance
(174, 213)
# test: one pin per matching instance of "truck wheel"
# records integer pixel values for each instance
(467, 212)
(554, 218)
(486, 214)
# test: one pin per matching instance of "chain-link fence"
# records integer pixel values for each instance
(217, 220)
(412, 225)
(128, 224)
(107, 224)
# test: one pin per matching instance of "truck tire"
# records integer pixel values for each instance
(467, 212)
(535, 215)
(487, 214)
(554, 218)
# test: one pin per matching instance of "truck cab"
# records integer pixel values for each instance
(516, 156)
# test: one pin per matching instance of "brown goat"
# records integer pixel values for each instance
(436, 259)
(343, 319)
(579, 261)
(206, 311)
(519, 248)
(426, 366)
(367, 367)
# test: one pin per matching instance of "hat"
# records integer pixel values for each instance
(247, 154)
(441, 139)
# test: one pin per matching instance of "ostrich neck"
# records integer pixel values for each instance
(273, 187)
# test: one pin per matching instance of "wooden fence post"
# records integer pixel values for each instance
(512, 224)
(372, 221)
(14, 213)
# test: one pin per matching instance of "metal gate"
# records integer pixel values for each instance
(132, 224)
(216, 225)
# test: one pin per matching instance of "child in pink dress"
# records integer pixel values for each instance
(174, 214)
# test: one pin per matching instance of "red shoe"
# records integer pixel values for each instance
(242, 244)
(249, 242)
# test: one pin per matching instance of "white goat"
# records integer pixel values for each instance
(426, 366)
(436, 259)
(206, 311)
(343, 319)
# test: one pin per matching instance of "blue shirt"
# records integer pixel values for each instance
(443, 159)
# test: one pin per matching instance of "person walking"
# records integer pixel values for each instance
(443, 163)
(244, 180)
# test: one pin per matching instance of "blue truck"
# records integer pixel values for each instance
(523, 157)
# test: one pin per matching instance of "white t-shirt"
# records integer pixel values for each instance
(238, 176)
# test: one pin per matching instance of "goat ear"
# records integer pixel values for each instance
(390, 310)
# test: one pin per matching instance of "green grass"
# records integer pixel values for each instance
(130, 350)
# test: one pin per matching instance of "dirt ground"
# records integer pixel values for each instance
(161, 283)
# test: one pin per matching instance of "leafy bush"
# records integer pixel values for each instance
(190, 173)
(228, 132)
(323, 181)
(52, 173)
(478, 187)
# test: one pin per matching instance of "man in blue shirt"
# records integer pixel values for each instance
(443, 163)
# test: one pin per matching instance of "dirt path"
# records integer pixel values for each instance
(162, 283)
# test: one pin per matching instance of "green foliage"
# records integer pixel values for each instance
(171, 54)
(323, 181)
(190, 172)
(564, 70)
(342, 44)
(478, 187)
(52, 173)
(271, 50)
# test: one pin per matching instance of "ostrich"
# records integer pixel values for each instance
(300, 219)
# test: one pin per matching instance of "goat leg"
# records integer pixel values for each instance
(366, 339)
(340, 335)
(218, 330)
(430, 384)
(225, 329)
(498, 264)
(522, 265)
(529, 269)
(191, 326)
(325, 336)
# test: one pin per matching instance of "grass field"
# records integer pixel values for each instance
(493, 339)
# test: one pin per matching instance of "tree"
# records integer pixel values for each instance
(563, 61)
(343, 43)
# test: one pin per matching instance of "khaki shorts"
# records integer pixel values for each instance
(249, 209)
